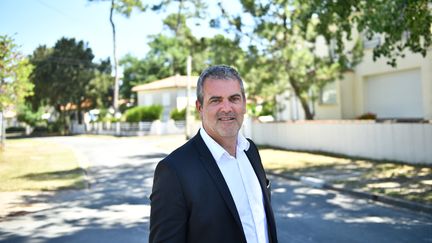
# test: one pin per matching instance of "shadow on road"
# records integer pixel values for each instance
(306, 214)
(114, 209)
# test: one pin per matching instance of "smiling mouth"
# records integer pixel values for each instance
(226, 119)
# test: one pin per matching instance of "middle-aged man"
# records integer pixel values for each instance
(214, 187)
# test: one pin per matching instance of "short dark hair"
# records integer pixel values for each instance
(218, 72)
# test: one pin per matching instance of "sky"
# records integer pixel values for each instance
(32, 23)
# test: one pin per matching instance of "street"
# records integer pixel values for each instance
(116, 208)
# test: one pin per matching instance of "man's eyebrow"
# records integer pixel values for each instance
(215, 97)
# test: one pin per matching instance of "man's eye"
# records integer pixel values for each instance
(235, 99)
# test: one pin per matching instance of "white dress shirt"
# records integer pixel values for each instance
(243, 185)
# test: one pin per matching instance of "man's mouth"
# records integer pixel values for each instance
(226, 118)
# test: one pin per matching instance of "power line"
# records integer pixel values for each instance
(59, 11)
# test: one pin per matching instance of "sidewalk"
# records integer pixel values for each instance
(396, 184)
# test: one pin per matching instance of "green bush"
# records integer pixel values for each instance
(40, 129)
(178, 115)
(15, 129)
(143, 113)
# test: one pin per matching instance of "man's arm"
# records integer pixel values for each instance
(168, 215)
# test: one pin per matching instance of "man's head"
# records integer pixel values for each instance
(221, 101)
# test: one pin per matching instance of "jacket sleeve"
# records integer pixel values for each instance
(168, 214)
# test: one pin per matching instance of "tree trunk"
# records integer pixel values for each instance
(308, 114)
(303, 101)
(116, 77)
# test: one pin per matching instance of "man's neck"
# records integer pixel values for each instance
(229, 144)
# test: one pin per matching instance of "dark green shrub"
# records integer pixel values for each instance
(15, 129)
(178, 115)
(40, 129)
(151, 113)
(143, 113)
(133, 114)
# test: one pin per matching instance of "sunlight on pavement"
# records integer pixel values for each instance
(346, 202)
(310, 191)
(362, 220)
(64, 221)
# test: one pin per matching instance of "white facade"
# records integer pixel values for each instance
(170, 93)
(402, 92)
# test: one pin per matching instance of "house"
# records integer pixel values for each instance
(403, 92)
(170, 92)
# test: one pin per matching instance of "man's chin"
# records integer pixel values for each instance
(228, 132)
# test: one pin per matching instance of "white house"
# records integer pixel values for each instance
(402, 92)
(170, 92)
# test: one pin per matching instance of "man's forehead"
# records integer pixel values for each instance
(221, 87)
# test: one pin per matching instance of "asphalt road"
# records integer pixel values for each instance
(116, 206)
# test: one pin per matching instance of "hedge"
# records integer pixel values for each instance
(143, 113)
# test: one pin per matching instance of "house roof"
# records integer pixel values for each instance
(177, 81)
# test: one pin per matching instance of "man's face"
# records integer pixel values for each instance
(223, 108)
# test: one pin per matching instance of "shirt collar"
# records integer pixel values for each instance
(217, 150)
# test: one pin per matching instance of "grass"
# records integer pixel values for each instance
(28, 164)
(410, 182)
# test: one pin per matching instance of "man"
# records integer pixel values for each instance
(214, 188)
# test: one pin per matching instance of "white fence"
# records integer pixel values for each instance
(131, 129)
(405, 142)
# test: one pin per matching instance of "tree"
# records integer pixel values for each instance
(400, 24)
(186, 9)
(169, 51)
(14, 72)
(100, 90)
(14, 82)
(284, 37)
(63, 74)
(124, 7)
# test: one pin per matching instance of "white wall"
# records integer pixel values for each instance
(404, 142)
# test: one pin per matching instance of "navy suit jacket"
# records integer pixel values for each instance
(191, 202)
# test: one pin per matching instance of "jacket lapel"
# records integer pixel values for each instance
(214, 172)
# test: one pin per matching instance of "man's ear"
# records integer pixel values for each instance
(198, 105)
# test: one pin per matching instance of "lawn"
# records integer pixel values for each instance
(31, 164)
(410, 182)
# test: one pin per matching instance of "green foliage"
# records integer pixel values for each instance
(143, 113)
(302, 45)
(27, 115)
(66, 75)
(100, 89)
(401, 24)
(267, 108)
(14, 73)
(178, 115)
(169, 51)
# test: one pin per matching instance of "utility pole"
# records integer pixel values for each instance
(188, 93)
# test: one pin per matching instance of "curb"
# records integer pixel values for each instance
(319, 183)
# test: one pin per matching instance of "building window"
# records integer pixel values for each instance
(328, 94)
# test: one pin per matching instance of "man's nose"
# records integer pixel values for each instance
(226, 106)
